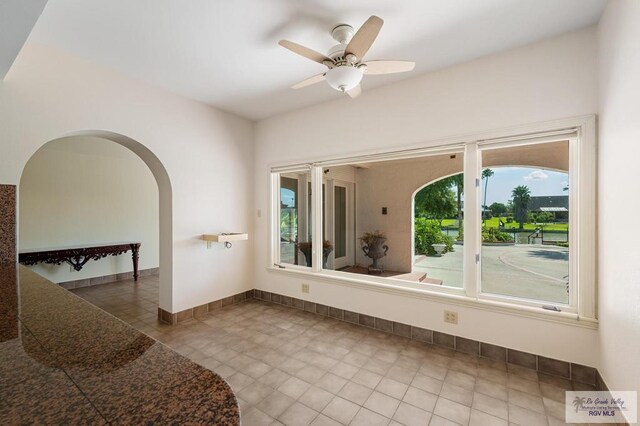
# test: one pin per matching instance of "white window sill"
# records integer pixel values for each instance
(445, 294)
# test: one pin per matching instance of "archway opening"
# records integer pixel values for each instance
(98, 188)
(437, 221)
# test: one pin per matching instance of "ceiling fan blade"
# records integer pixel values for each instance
(364, 38)
(355, 92)
(388, 67)
(309, 81)
(304, 51)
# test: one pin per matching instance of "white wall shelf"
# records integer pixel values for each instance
(225, 238)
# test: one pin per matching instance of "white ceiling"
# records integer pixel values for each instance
(225, 52)
(17, 18)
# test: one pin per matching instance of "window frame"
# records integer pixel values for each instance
(580, 131)
(572, 305)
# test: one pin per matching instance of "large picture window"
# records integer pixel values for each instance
(525, 222)
(494, 221)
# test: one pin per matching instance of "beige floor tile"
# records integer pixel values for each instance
(275, 404)
(441, 421)
(458, 378)
(367, 378)
(332, 383)
(490, 405)
(310, 374)
(421, 399)
(525, 373)
(554, 408)
(492, 389)
(344, 370)
(427, 383)
(457, 394)
(526, 400)
(377, 366)
(523, 417)
(274, 378)
(495, 376)
(392, 388)
(552, 392)
(355, 393)
(258, 347)
(341, 410)
(298, 415)
(355, 358)
(433, 370)
(386, 355)
(523, 385)
(255, 393)
(479, 418)
(401, 374)
(453, 411)
(323, 420)
(255, 417)
(256, 369)
(294, 387)
(410, 415)
(382, 404)
(316, 398)
(238, 381)
(366, 417)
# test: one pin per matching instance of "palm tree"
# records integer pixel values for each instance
(521, 195)
(458, 181)
(486, 174)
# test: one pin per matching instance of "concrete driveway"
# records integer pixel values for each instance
(529, 271)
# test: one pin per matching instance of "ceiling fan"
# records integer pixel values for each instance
(345, 61)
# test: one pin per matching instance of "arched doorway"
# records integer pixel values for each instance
(436, 221)
(165, 232)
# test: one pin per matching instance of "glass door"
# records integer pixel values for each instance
(343, 227)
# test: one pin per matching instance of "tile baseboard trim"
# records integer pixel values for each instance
(105, 279)
(199, 311)
(552, 367)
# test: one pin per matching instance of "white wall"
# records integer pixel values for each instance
(549, 80)
(208, 155)
(84, 190)
(618, 176)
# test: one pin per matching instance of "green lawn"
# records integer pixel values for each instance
(493, 223)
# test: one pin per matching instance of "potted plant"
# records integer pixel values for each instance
(372, 244)
(306, 247)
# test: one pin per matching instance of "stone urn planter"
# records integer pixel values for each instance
(439, 248)
(373, 245)
(306, 247)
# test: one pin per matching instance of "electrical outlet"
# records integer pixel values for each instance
(451, 317)
(305, 288)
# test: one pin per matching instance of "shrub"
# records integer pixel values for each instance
(494, 235)
(427, 233)
(490, 235)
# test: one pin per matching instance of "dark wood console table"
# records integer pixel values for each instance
(78, 256)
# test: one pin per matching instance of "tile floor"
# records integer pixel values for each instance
(292, 367)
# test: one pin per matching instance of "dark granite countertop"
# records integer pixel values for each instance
(64, 361)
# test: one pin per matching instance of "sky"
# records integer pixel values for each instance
(287, 197)
(540, 182)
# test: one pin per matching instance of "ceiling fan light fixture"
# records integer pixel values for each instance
(344, 78)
